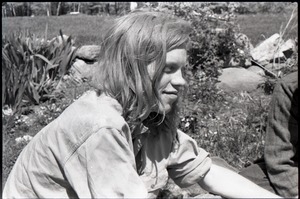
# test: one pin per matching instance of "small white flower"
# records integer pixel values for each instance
(25, 138)
(18, 140)
(7, 110)
(187, 125)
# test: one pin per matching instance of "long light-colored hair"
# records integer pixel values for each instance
(131, 43)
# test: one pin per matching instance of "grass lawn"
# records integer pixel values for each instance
(85, 29)
(261, 26)
(88, 29)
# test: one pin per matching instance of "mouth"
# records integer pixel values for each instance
(171, 92)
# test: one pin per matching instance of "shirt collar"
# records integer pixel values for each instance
(139, 130)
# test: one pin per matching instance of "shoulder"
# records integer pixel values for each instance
(88, 115)
(287, 86)
(97, 111)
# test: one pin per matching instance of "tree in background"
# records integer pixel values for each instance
(10, 9)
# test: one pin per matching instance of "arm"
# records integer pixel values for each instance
(282, 138)
(229, 184)
(104, 167)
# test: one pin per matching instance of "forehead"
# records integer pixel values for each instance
(178, 55)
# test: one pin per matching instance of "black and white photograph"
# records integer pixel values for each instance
(166, 100)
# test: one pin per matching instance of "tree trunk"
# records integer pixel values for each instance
(28, 8)
(79, 7)
(13, 10)
(116, 7)
(58, 8)
(107, 8)
(48, 9)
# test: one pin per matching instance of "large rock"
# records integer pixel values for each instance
(268, 49)
(81, 70)
(239, 79)
(257, 70)
(89, 52)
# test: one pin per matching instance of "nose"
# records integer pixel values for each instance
(177, 79)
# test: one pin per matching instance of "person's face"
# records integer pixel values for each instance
(171, 80)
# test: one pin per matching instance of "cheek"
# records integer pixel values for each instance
(164, 81)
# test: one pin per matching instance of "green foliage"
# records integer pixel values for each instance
(32, 67)
(233, 129)
(262, 7)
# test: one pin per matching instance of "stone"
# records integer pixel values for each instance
(239, 79)
(81, 70)
(257, 70)
(88, 52)
(288, 48)
(268, 49)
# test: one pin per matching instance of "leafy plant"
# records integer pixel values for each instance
(32, 67)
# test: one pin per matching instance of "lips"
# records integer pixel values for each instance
(171, 92)
(171, 95)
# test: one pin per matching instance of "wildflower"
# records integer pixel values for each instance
(187, 125)
(25, 138)
(7, 110)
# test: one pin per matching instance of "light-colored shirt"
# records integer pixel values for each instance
(88, 152)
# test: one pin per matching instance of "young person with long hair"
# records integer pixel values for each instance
(121, 138)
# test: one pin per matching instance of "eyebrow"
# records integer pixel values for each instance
(175, 63)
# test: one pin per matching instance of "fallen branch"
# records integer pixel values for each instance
(268, 72)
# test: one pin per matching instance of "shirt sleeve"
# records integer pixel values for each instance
(104, 167)
(282, 139)
(188, 163)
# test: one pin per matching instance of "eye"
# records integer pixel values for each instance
(170, 68)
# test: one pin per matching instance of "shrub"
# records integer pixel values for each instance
(32, 67)
(233, 129)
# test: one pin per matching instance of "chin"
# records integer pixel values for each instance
(167, 108)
